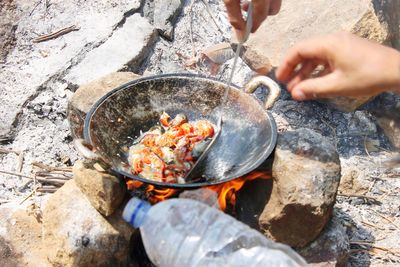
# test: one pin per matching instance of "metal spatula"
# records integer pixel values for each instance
(196, 172)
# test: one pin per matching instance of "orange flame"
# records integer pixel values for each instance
(157, 195)
(133, 184)
(226, 191)
(153, 194)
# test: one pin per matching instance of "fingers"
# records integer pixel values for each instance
(274, 7)
(313, 49)
(316, 87)
(310, 54)
(235, 14)
(262, 8)
(261, 11)
(305, 72)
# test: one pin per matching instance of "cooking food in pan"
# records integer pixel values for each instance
(168, 151)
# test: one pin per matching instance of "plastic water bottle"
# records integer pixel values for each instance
(185, 232)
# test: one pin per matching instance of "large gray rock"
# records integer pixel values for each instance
(299, 20)
(104, 191)
(127, 47)
(165, 16)
(75, 234)
(330, 249)
(88, 94)
(30, 66)
(306, 173)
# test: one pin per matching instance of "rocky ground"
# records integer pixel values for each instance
(38, 79)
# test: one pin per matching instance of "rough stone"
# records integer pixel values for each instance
(126, 48)
(389, 12)
(104, 191)
(256, 61)
(306, 173)
(75, 234)
(165, 16)
(300, 20)
(27, 70)
(20, 236)
(304, 19)
(330, 249)
(8, 25)
(88, 94)
(388, 118)
(352, 181)
(345, 103)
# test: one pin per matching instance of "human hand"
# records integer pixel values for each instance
(261, 10)
(353, 66)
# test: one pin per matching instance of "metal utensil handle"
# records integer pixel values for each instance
(249, 22)
(274, 91)
(85, 149)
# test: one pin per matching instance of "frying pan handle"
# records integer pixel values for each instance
(274, 91)
(86, 150)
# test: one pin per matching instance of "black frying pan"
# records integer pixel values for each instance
(247, 138)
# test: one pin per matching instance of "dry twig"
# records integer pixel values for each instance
(28, 196)
(56, 34)
(47, 190)
(393, 175)
(61, 174)
(365, 146)
(42, 180)
(387, 219)
(51, 168)
(3, 150)
(5, 139)
(372, 184)
(372, 225)
(2, 201)
(208, 9)
(393, 251)
(34, 7)
(20, 161)
(17, 174)
(359, 196)
(50, 175)
(191, 28)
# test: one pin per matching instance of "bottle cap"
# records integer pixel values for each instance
(135, 211)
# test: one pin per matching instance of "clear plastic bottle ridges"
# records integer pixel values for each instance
(185, 232)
